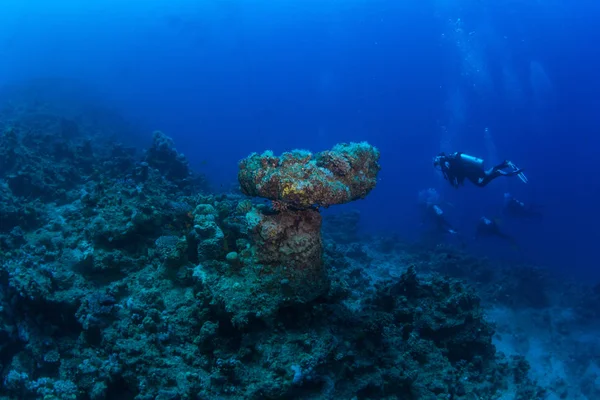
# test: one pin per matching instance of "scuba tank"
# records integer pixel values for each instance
(472, 162)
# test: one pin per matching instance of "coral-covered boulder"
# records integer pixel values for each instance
(302, 179)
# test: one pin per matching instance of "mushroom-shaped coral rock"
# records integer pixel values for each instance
(287, 239)
(303, 180)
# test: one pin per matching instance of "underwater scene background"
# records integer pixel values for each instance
(237, 199)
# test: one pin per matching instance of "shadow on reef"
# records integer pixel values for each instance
(121, 279)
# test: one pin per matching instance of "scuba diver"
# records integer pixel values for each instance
(488, 228)
(441, 223)
(457, 166)
(429, 200)
(517, 209)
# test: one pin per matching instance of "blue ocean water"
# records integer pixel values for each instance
(225, 78)
(499, 80)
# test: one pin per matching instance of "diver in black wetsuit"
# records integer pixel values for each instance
(429, 201)
(488, 228)
(457, 166)
(517, 209)
(441, 223)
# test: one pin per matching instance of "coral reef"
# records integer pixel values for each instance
(288, 244)
(303, 180)
(288, 241)
(123, 277)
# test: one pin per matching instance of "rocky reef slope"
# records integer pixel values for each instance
(123, 277)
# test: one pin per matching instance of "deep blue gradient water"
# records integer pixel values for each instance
(228, 77)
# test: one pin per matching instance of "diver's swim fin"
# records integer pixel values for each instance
(521, 175)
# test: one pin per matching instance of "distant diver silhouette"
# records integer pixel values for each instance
(517, 209)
